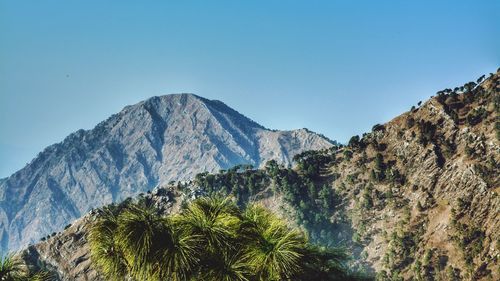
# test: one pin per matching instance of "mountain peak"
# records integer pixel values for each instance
(181, 98)
(164, 138)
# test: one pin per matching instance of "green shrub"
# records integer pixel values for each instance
(476, 116)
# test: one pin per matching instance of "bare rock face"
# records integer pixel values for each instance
(159, 140)
(66, 255)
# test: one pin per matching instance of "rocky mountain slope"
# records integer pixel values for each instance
(416, 198)
(422, 191)
(161, 139)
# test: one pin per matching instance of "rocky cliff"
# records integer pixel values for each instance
(161, 139)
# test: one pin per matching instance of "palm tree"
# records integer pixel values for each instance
(225, 266)
(212, 239)
(215, 220)
(11, 269)
(138, 233)
(106, 253)
(275, 251)
(177, 254)
(154, 246)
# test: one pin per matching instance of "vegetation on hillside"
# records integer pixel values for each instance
(210, 239)
(377, 177)
(331, 190)
(378, 173)
(313, 201)
(413, 199)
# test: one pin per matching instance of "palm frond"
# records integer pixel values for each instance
(11, 268)
(141, 233)
(177, 257)
(227, 266)
(275, 251)
(41, 276)
(215, 220)
(106, 254)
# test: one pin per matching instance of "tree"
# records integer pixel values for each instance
(326, 197)
(378, 127)
(275, 252)
(354, 141)
(214, 220)
(13, 269)
(210, 239)
(379, 162)
(105, 250)
(272, 168)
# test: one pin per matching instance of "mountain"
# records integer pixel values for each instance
(416, 198)
(162, 139)
(422, 191)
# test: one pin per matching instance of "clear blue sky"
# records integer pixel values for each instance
(335, 67)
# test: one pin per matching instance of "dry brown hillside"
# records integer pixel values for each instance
(423, 190)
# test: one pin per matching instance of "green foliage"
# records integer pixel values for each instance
(313, 203)
(378, 173)
(462, 204)
(394, 176)
(367, 202)
(452, 274)
(420, 208)
(378, 127)
(354, 141)
(402, 247)
(211, 239)
(272, 168)
(347, 154)
(105, 250)
(241, 183)
(476, 116)
(13, 269)
(379, 162)
(469, 239)
(427, 132)
(469, 151)
(310, 162)
(440, 160)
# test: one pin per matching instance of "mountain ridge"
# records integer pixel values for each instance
(414, 199)
(163, 138)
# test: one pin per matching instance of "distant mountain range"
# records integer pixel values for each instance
(162, 139)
